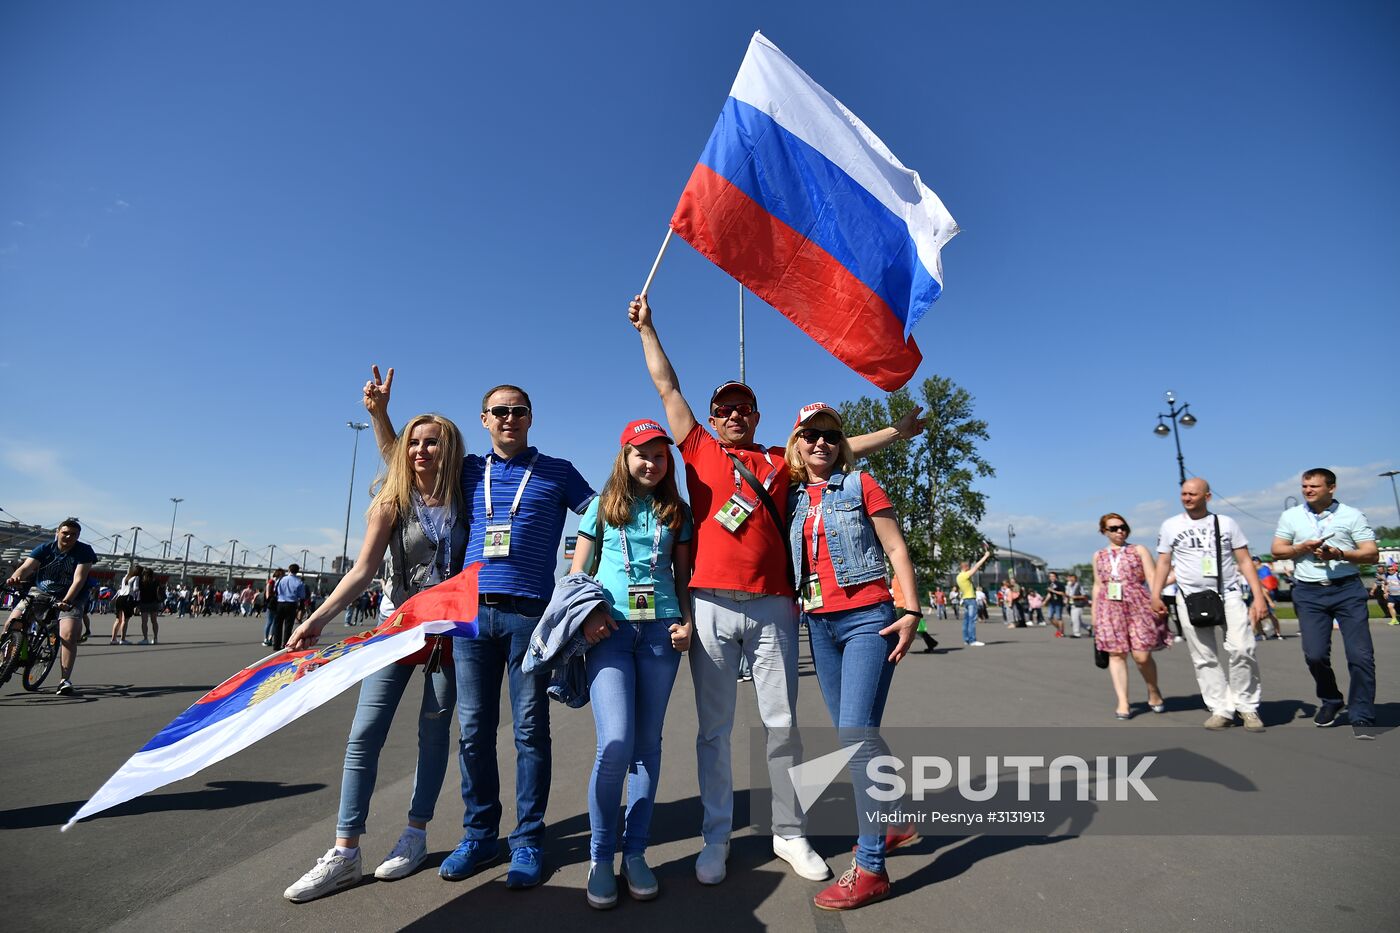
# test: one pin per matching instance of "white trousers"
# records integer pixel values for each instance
(1239, 691)
(764, 630)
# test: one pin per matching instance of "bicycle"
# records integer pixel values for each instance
(32, 641)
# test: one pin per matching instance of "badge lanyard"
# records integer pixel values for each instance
(515, 505)
(816, 532)
(655, 549)
(1115, 586)
(772, 475)
(435, 534)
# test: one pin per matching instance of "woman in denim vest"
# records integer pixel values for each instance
(843, 530)
(635, 649)
(417, 515)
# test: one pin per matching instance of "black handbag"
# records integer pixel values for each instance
(1207, 608)
(1100, 659)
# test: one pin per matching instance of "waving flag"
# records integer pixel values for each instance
(262, 698)
(797, 199)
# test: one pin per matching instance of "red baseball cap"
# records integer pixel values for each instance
(805, 413)
(638, 433)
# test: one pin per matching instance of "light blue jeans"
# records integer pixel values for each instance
(380, 693)
(851, 658)
(969, 607)
(630, 675)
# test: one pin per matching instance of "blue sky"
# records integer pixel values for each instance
(213, 219)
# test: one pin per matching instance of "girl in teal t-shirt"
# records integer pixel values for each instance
(634, 650)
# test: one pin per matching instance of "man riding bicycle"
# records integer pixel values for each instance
(60, 566)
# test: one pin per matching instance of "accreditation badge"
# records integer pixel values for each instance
(1115, 590)
(732, 514)
(641, 602)
(497, 541)
(1208, 568)
(812, 593)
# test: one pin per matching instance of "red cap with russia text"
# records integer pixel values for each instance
(806, 412)
(638, 433)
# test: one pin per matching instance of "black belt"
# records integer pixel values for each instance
(509, 602)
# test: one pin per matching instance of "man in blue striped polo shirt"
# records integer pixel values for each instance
(517, 498)
(1326, 540)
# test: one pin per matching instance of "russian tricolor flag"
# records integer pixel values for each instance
(797, 199)
(264, 697)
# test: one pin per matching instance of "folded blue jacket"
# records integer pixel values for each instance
(557, 644)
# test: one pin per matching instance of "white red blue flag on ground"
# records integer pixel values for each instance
(262, 698)
(797, 199)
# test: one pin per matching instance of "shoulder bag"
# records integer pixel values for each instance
(1207, 608)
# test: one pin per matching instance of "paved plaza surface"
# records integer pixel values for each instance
(214, 852)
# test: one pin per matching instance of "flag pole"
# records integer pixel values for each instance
(654, 266)
(741, 331)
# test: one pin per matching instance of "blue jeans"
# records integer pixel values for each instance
(271, 622)
(380, 693)
(482, 663)
(1056, 610)
(1317, 606)
(630, 674)
(969, 621)
(851, 657)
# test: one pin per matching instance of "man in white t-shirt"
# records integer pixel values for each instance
(1187, 545)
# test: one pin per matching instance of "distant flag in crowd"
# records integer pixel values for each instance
(262, 698)
(797, 199)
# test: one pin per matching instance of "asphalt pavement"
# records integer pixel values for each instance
(214, 852)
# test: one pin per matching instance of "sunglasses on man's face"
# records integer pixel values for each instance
(1116, 528)
(810, 435)
(503, 411)
(742, 410)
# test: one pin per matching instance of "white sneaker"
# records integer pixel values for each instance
(798, 853)
(977, 644)
(332, 872)
(409, 852)
(709, 866)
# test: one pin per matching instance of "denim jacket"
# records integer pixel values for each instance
(855, 552)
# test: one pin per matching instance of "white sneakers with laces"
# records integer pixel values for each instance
(332, 872)
(409, 852)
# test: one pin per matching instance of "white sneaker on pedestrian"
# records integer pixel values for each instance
(709, 866)
(409, 852)
(332, 872)
(798, 853)
(977, 644)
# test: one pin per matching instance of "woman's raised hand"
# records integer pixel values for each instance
(377, 392)
(639, 312)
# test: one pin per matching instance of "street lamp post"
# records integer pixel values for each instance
(357, 427)
(1177, 415)
(1010, 566)
(184, 570)
(172, 519)
(1392, 474)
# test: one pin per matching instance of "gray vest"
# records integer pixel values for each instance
(411, 556)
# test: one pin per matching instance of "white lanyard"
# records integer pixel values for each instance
(436, 533)
(773, 474)
(515, 505)
(1317, 521)
(1113, 558)
(655, 548)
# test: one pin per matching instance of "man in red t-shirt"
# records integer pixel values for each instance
(744, 599)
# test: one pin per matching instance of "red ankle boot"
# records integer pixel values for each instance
(856, 888)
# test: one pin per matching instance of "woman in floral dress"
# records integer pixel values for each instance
(1123, 617)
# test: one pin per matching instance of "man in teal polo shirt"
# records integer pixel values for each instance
(1326, 540)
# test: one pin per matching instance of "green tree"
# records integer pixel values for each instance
(929, 479)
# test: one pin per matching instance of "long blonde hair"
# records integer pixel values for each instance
(393, 489)
(621, 491)
(797, 470)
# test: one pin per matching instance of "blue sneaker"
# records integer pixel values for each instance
(602, 885)
(525, 869)
(470, 856)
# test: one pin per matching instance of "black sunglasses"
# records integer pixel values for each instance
(810, 435)
(502, 411)
(1116, 528)
(742, 409)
